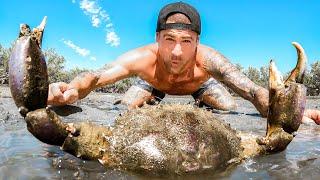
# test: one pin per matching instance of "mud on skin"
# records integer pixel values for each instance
(163, 139)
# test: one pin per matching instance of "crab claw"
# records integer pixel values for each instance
(286, 104)
(298, 72)
(46, 126)
(275, 77)
(28, 77)
(37, 32)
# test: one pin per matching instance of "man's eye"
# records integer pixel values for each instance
(186, 41)
(169, 39)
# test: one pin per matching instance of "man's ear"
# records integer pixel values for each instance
(157, 36)
(198, 39)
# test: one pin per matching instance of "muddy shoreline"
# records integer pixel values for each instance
(21, 152)
(100, 108)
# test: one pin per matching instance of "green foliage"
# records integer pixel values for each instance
(73, 73)
(239, 67)
(56, 69)
(312, 80)
(258, 76)
(264, 76)
(4, 57)
(307, 81)
(4, 68)
(55, 65)
(253, 74)
(58, 73)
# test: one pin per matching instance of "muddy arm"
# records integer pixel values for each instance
(125, 66)
(221, 69)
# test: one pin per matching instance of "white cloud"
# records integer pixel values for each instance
(81, 51)
(99, 17)
(93, 58)
(112, 39)
(109, 25)
(104, 15)
(89, 7)
(92, 9)
(95, 21)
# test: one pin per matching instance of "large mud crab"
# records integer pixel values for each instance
(156, 139)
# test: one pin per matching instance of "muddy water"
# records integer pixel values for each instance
(24, 157)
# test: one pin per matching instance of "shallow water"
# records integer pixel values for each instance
(24, 157)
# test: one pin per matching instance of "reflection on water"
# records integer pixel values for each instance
(301, 160)
(24, 157)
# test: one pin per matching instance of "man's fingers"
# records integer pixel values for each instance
(313, 114)
(306, 120)
(56, 90)
(50, 98)
(54, 94)
(57, 94)
(70, 96)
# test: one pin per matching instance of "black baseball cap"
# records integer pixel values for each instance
(183, 8)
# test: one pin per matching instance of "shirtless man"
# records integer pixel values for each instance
(176, 64)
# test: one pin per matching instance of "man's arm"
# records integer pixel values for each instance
(131, 63)
(62, 93)
(221, 69)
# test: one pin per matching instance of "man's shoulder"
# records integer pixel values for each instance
(205, 49)
(138, 59)
(206, 52)
(150, 48)
(138, 54)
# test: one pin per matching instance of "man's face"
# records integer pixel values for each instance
(177, 48)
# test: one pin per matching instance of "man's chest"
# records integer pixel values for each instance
(182, 84)
(178, 87)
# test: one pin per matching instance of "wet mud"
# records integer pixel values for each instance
(20, 151)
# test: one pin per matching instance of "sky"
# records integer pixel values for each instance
(91, 33)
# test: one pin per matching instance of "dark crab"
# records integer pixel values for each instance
(165, 138)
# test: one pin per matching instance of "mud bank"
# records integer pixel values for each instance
(20, 151)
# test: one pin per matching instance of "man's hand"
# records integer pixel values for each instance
(61, 94)
(311, 114)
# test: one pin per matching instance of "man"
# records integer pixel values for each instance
(176, 64)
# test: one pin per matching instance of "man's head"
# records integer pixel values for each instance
(178, 32)
(179, 7)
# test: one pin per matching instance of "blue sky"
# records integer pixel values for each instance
(91, 33)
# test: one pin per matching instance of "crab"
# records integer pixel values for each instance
(165, 139)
